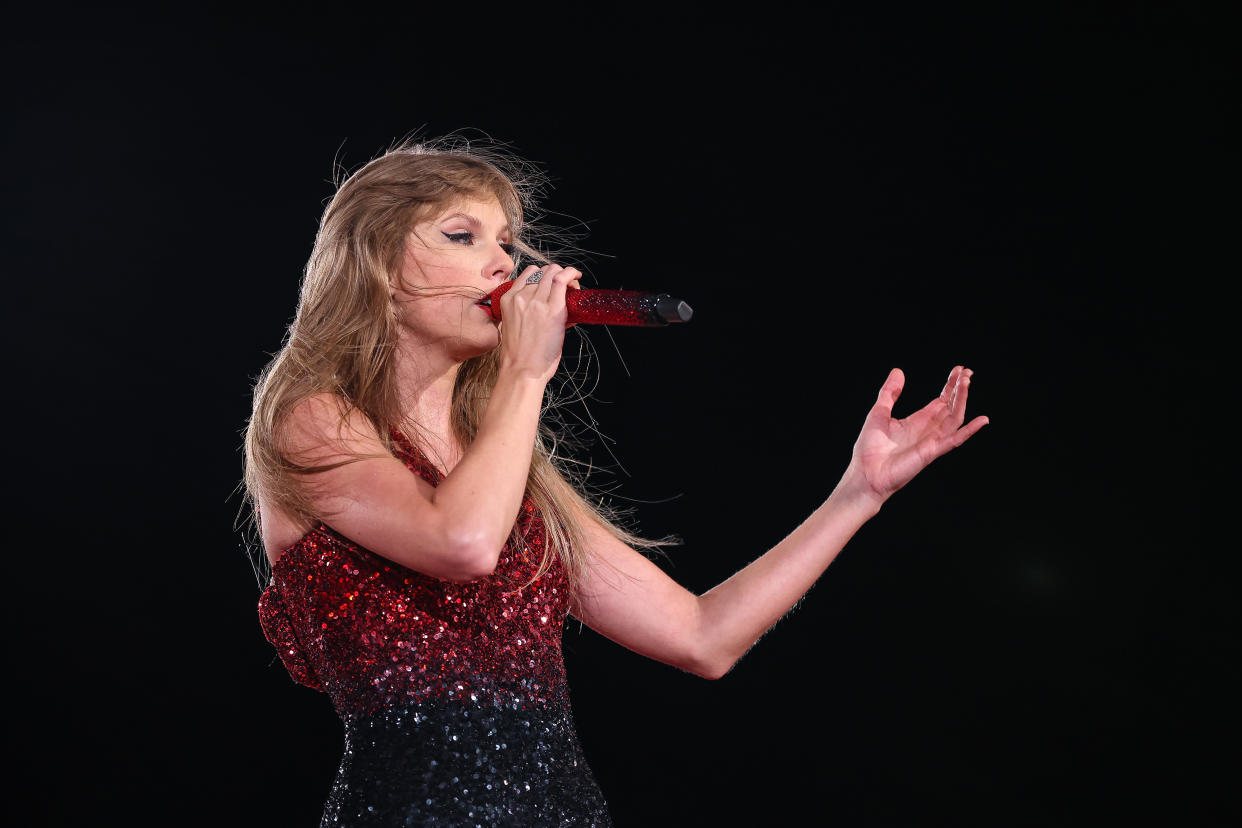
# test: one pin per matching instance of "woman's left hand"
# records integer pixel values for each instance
(890, 452)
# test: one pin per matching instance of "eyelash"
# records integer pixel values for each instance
(467, 237)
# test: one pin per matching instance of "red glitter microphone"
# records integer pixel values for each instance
(589, 306)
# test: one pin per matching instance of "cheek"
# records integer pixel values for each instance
(443, 314)
(420, 265)
(430, 270)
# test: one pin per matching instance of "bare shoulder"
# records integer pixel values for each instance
(354, 483)
(320, 430)
(279, 529)
(323, 429)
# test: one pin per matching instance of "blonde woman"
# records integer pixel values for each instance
(427, 543)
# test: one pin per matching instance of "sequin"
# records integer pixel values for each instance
(453, 696)
(614, 307)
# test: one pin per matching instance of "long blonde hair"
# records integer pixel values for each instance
(343, 338)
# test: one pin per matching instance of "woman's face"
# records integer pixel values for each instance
(450, 262)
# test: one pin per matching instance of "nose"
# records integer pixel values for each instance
(501, 265)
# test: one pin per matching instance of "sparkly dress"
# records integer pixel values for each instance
(453, 696)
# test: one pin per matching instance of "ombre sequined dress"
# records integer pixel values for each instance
(453, 696)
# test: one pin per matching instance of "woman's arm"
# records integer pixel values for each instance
(446, 531)
(631, 601)
(456, 530)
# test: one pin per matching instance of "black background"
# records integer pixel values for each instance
(1041, 629)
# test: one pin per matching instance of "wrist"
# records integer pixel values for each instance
(515, 401)
(520, 373)
(854, 492)
(521, 378)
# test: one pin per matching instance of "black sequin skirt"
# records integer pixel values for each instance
(451, 764)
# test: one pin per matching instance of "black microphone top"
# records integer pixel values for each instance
(671, 309)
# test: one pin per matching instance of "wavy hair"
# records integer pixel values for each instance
(344, 335)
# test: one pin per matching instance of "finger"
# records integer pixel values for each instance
(560, 284)
(951, 415)
(567, 274)
(524, 286)
(889, 392)
(950, 385)
(543, 287)
(521, 278)
(941, 417)
(961, 391)
(507, 301)
(553, 284)
(576, 284)
(969, 430)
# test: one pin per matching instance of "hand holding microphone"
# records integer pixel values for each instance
(535, 319)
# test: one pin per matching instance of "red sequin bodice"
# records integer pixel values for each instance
(373, 634)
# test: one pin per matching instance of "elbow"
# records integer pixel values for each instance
(708, 655)
(470, 559)
(714, 672)
(710, 666)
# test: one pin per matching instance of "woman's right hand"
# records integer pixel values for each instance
(533, 321)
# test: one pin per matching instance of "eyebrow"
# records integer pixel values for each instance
(474, 221)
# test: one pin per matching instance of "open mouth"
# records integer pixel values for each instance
(485, 302)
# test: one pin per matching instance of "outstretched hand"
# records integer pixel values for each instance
(889, 452)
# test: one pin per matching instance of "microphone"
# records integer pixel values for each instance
(591, 306)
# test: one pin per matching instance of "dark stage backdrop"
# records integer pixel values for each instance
(1039, 630)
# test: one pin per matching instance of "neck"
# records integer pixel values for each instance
(425, 388)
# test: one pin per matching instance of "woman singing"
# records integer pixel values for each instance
(426, 540)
